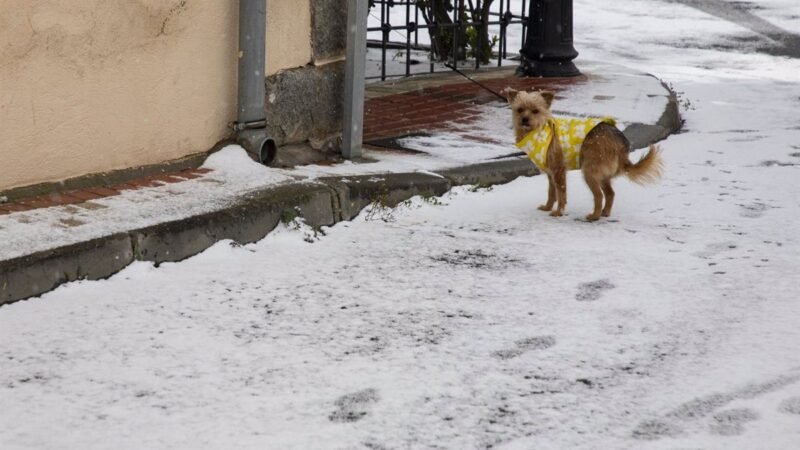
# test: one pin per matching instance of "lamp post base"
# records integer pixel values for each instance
(548, 49)
(548, 69)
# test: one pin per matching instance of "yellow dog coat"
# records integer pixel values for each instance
(571, 134)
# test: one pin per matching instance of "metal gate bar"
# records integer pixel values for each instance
(502, 17)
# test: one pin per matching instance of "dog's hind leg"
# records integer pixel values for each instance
(608, 192)
(597, 191)
(551, 194)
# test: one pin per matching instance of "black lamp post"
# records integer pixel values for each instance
(548, 50)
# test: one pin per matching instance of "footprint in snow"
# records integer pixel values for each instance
(593, 290)
(525, 345)
(754, 210)
(725, 422)
(651, 430)
(731, 422)
(790, 406)
(714, 249)
(354, 406)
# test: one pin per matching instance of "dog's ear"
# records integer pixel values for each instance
(510, 94)
(548, 97)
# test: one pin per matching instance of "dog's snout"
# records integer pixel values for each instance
(524, 120)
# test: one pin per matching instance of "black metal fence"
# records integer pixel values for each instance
(499, 17)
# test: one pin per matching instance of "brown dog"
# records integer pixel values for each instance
(602, 155)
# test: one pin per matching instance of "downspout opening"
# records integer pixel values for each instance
(258, 145)
(267, 152)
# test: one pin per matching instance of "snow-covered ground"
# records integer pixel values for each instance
(637, 98)
(473, 320)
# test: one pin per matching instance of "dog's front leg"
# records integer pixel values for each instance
(560, 179)
(551, 194)
(557, 172)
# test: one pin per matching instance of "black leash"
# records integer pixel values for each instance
(510, 155)
(500, 96)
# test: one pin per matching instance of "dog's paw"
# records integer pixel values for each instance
(556, 213)
(545, 208)
(592, 218)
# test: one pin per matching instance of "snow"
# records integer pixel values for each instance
(473, 320)
(235, 174)
(232, 160)
(40, 229)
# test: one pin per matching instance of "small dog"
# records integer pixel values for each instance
(554, 145)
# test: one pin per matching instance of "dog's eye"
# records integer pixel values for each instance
(520, 110)
(536, 111)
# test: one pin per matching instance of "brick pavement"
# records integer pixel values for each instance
(78, 196)
(417, 106)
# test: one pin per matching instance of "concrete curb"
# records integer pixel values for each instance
(641, 135)
(44, 271)
(489, 173)
(321, 203)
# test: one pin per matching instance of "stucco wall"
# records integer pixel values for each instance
(288, 34)
(98, 85)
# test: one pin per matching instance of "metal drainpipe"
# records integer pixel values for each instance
(251, 131)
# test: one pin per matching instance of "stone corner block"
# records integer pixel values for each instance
(490, 173)
(41, 272)
(248, 220)
(356, 192)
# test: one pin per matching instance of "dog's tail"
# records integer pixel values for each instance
(648, 170)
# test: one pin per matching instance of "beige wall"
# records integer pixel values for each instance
(288, 34)
(96, 85)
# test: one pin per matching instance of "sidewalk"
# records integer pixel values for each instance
(422, 136)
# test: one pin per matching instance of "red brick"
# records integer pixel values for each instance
(37, 202)
(145, 183)
(405, 108)
(481, 139)
(380, 106)
(465, 88)
(201, 170)
(394, 132)
(425, 102)
(167, 178)
(419, 122)
(84, 195)
(383, 102)
(445, 87)
(441, 107)
(455, 115)
(402, 98)
(64, 199)
(187, 175)
(103, 191)
(462, 97)
(16, 207)
(123, 187)
(46, 201)
(384, 133)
